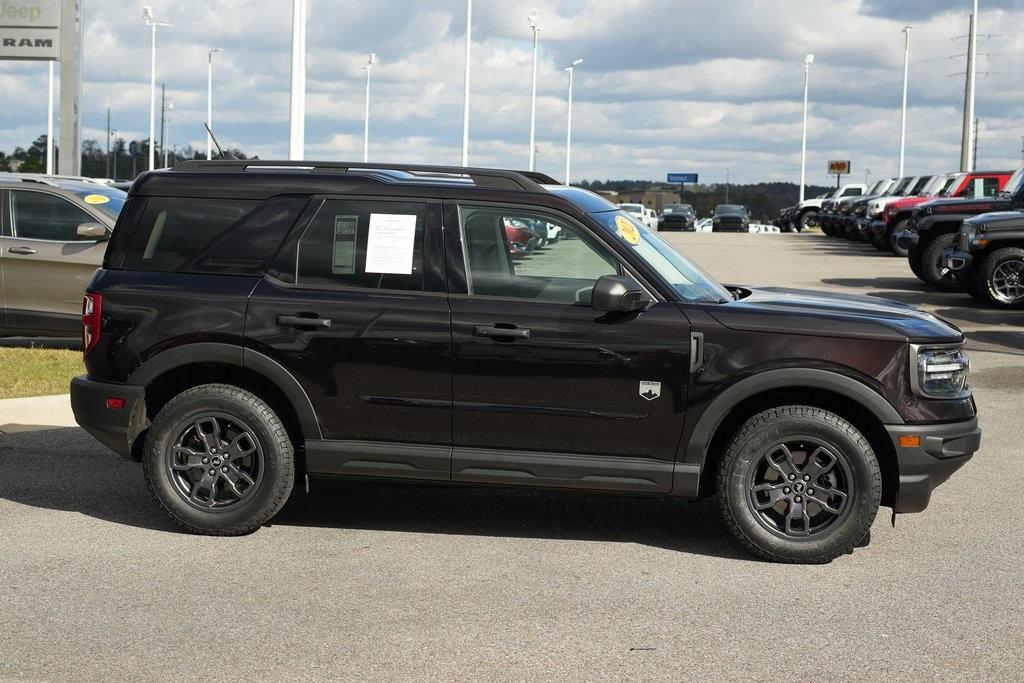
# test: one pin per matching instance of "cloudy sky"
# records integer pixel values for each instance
(666, 85)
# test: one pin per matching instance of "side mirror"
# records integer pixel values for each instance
(92, 231)
(619, 294)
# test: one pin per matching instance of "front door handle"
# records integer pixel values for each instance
(302, 321)
(501, 332)
(21, 250)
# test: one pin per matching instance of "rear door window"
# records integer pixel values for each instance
(43, 216)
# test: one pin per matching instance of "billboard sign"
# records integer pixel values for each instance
(672, 177)
(839, 167)
(30, 29)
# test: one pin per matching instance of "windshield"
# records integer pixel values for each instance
(921, 183)
(1014, 183)
(730, 209)
(632, 208)
(678, 208)
(108, 200)
(901, 187)
(877, 187)
(689, 281)
(934, 184)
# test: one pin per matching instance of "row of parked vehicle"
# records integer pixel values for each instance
(958, 231)
(683, 218)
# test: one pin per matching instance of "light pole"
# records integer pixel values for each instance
(465, 95)
(297, 111)
(147, 14)
(165, 142)
(366, 109)
(533, 91)
(568, 123)
(808, 60)
(209, 100)
(49, 122)
(967, 135)
(903, 114)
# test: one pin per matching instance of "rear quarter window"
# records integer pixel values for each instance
(210, 236)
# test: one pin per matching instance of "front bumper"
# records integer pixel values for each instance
(941, 451)
(876, 227)
(906, 238)
(115, 428)
(956, 260)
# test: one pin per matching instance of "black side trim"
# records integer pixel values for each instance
(944, 449)
(700, 435)
(379, 459)
(115, 429)
(561, 470)
(545, 410)
(229, 354)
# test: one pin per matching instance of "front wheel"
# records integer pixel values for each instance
(218, 460)
(1001, 278)
(890, 237)
(799, 484)
(935, 273)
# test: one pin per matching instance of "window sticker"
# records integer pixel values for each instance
(389, 248)
(96, 199)
(627, 230)
(344, 261)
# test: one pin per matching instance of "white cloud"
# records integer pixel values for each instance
(666, 85)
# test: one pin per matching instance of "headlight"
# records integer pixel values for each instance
(939, 371)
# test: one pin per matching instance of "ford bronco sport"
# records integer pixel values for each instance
(254, 322)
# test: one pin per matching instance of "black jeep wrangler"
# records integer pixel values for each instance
(254, 322)
(988, 258)
(934, 226)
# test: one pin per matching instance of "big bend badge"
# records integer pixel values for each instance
(650, 390)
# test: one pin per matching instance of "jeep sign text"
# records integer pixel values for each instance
(30, 29)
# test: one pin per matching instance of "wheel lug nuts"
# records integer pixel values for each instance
(213, 472)
(792, 477)
(799, 499)
(785, 490)
(807, 477)
(810, 492)
(206, 460)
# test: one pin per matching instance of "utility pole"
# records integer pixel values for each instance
(966, 140)
(49, 122)
(465, 95)
(808, 60)
(974, 155)
(114, 162)
(727, 185)
(108, 144)
(903, 113)
(532, 19)
(571, 69)
(297, 112)
(1022, 149)
(209, 100)
(163, 116)
(147, 14)
(166, 146)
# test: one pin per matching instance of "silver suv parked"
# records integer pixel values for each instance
(53, 232)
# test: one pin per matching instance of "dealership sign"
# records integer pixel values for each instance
(30, 29)
(682, 177)
(839, 167)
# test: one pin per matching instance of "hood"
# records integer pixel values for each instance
(962, 205)
(998, 220)
(794, 311)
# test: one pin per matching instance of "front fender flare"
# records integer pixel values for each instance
(694, 452)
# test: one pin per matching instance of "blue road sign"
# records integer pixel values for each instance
(682, 177)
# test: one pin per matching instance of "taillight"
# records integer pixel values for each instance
(92, 311)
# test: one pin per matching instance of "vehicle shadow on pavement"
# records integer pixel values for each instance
(670, 523)
(66, 470)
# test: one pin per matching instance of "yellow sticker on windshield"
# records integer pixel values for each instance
(96, 199)
(627, 230)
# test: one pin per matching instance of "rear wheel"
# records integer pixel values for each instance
(935, 273)
(1001, 278)
(218, 460)
(799, 484)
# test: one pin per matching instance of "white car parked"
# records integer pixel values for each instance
(640, 212)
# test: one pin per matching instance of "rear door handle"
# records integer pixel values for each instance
(302, 321)
(500, 332)
(21, 250)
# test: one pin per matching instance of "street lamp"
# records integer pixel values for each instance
(147, 14)
(366, 111)
(568, 124)
(297, 102)
(532, 19)
(465, 95)
(209, 100)
(49, 122)
(903, 113)
(808, 60)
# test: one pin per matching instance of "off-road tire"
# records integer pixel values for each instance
(914, 257)
(931, 263)
(745, 451)
(988, 267)
(277, 450)
(803, 220)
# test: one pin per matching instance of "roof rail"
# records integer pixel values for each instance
(45, 179)
(492, 178)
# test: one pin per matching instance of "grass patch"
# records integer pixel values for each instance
(37, 372)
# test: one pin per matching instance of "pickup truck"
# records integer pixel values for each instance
(806, 212)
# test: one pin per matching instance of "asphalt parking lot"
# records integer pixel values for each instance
(395, 582)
